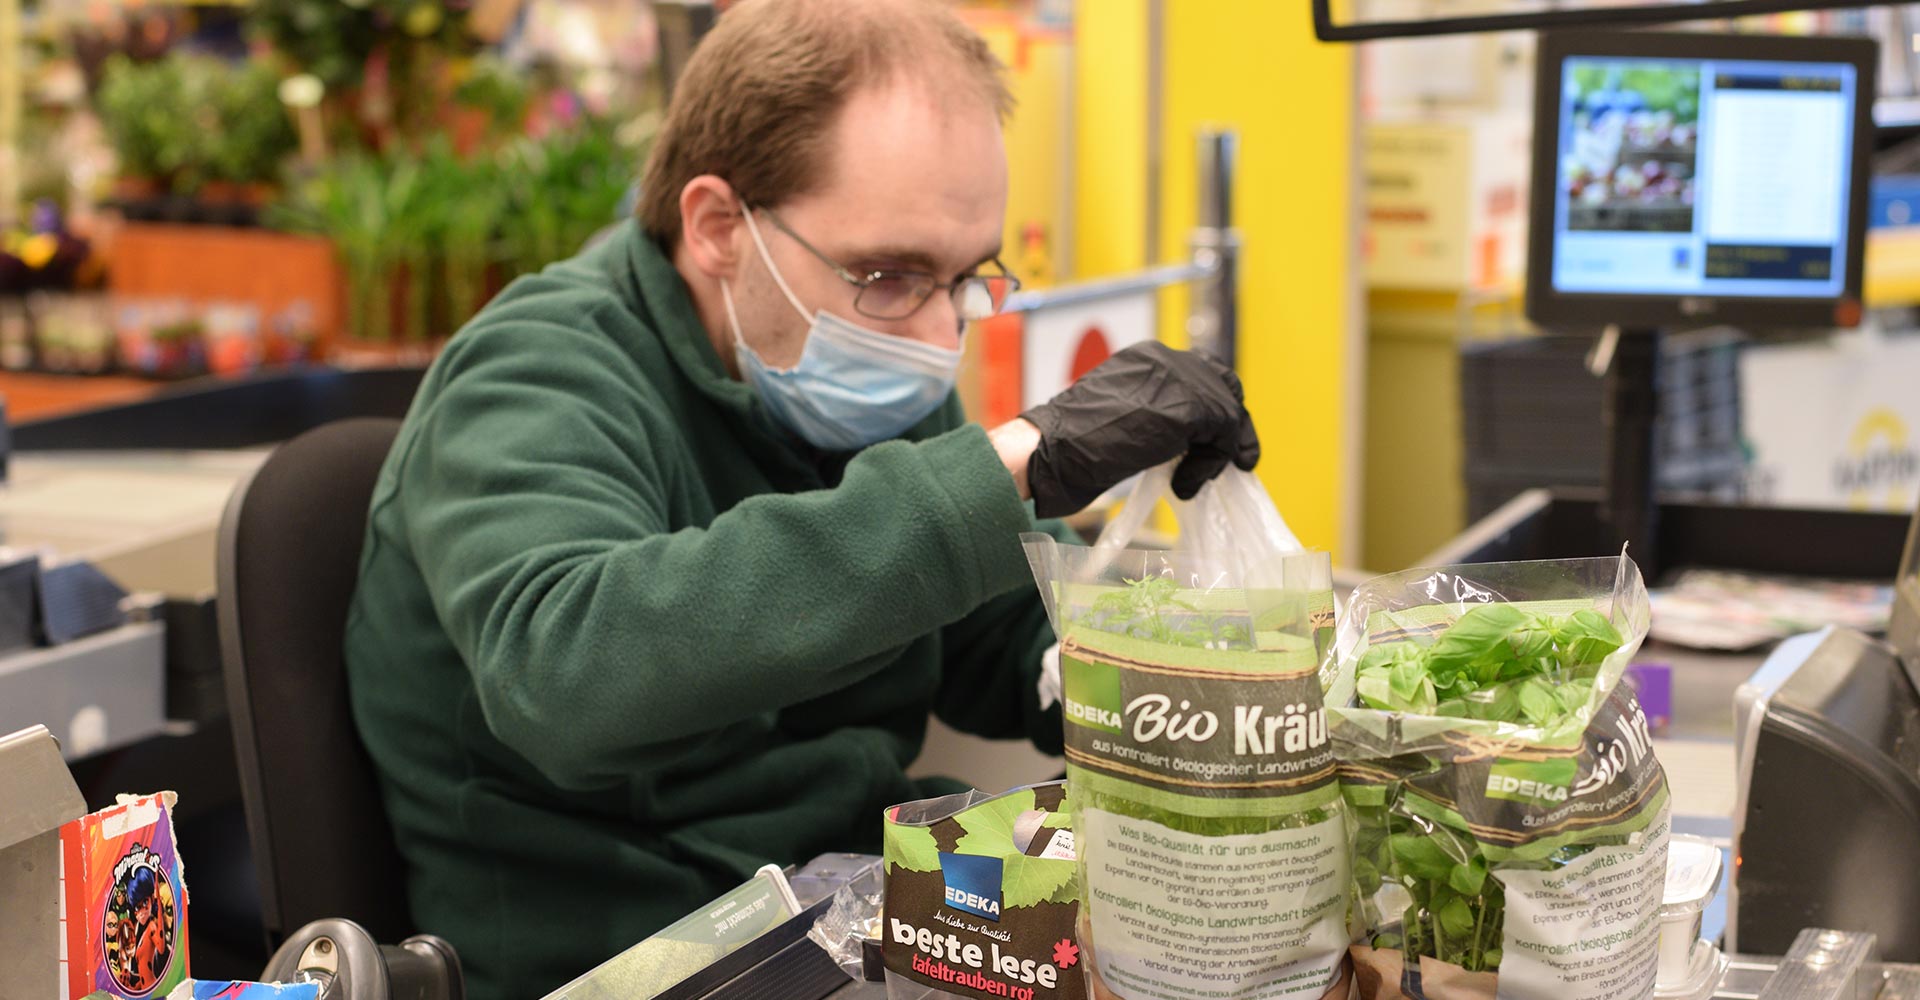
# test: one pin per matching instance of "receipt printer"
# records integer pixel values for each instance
(1828, 737)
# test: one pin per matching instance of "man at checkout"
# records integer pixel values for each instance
(684, 537)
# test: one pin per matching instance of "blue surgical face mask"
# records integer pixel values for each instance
(852, 386)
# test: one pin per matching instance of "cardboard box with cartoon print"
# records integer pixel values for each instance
(124, 901)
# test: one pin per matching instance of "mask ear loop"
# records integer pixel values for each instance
(753, 229)
(733, 317)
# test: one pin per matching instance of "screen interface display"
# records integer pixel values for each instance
(1703, 177)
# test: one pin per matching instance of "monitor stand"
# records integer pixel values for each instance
(1629, 360)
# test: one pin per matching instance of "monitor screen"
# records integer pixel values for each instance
(1686, 182)
(1358, 20)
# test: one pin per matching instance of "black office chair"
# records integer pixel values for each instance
(289, 558)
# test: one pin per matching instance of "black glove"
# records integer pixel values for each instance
(1141, 407)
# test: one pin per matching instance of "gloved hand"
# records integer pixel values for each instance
(1143, 406)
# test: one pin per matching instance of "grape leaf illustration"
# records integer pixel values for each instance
(911, 848)
(1025, 881)
(989, 825)
(1028, 881)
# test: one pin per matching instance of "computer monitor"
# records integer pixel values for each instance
(1684, 179)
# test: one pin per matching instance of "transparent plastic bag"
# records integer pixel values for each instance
(1249, 581)
(851, 920)
(1199, 771)
(1507, 815)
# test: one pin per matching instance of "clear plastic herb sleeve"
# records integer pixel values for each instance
(1507, 815)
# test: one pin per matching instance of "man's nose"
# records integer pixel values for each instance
(938, 322)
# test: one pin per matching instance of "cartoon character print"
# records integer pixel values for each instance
(137, 930)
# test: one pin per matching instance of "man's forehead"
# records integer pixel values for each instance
(912, 170)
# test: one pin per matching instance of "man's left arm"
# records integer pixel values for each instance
(992, 666)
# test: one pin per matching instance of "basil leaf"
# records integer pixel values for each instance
(1538, 702)
(1531, 643)
(1575, 694)
(1421, 856)
(1366, 878)
(1515, 670)
(1478, 635)
(1455, 918)
(1587, 637)
(1505, 706)
(1491, 959)
(1406, 677)
(1376, 690)
(1391, 653)
(1424, 700)
(1468, 879)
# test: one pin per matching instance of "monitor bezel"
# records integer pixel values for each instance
(1549, 307)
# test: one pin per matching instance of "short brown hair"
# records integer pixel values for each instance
(757, 103)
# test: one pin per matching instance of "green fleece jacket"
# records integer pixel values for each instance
(619, 640)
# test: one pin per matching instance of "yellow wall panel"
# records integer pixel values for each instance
(1039, 61)
(1254, 66)
(1110, 137)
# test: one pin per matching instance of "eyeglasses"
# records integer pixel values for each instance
(900, 294)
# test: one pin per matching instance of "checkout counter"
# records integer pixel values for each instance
(1803, 762)
(137, 491)
(1828, 725)
(1816, 788)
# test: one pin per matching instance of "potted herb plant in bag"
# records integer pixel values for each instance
(1507, 815)
(1207, 817)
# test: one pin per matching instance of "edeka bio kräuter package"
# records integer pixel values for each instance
(1200, 772)
(1509, 818)
(983, 898)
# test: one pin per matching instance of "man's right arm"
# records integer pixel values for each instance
(1015, 442)
(537, 512)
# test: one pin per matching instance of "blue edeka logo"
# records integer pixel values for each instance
(973, 884)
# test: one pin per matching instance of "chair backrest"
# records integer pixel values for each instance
(289, 557)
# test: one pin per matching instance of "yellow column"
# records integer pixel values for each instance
(1110, 137)
(1039, 140)
(10, 104)
(1254, 66)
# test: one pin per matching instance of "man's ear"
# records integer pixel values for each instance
(709, 225)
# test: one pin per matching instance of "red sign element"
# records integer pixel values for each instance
(1093, 349)
(1066, 954)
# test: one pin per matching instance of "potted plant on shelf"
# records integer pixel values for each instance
(254, 137)
(561, 190)
(348, 202)
(476, 206)
(134, 103)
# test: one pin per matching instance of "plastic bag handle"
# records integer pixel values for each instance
(1148, 490)
(1231, 520)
